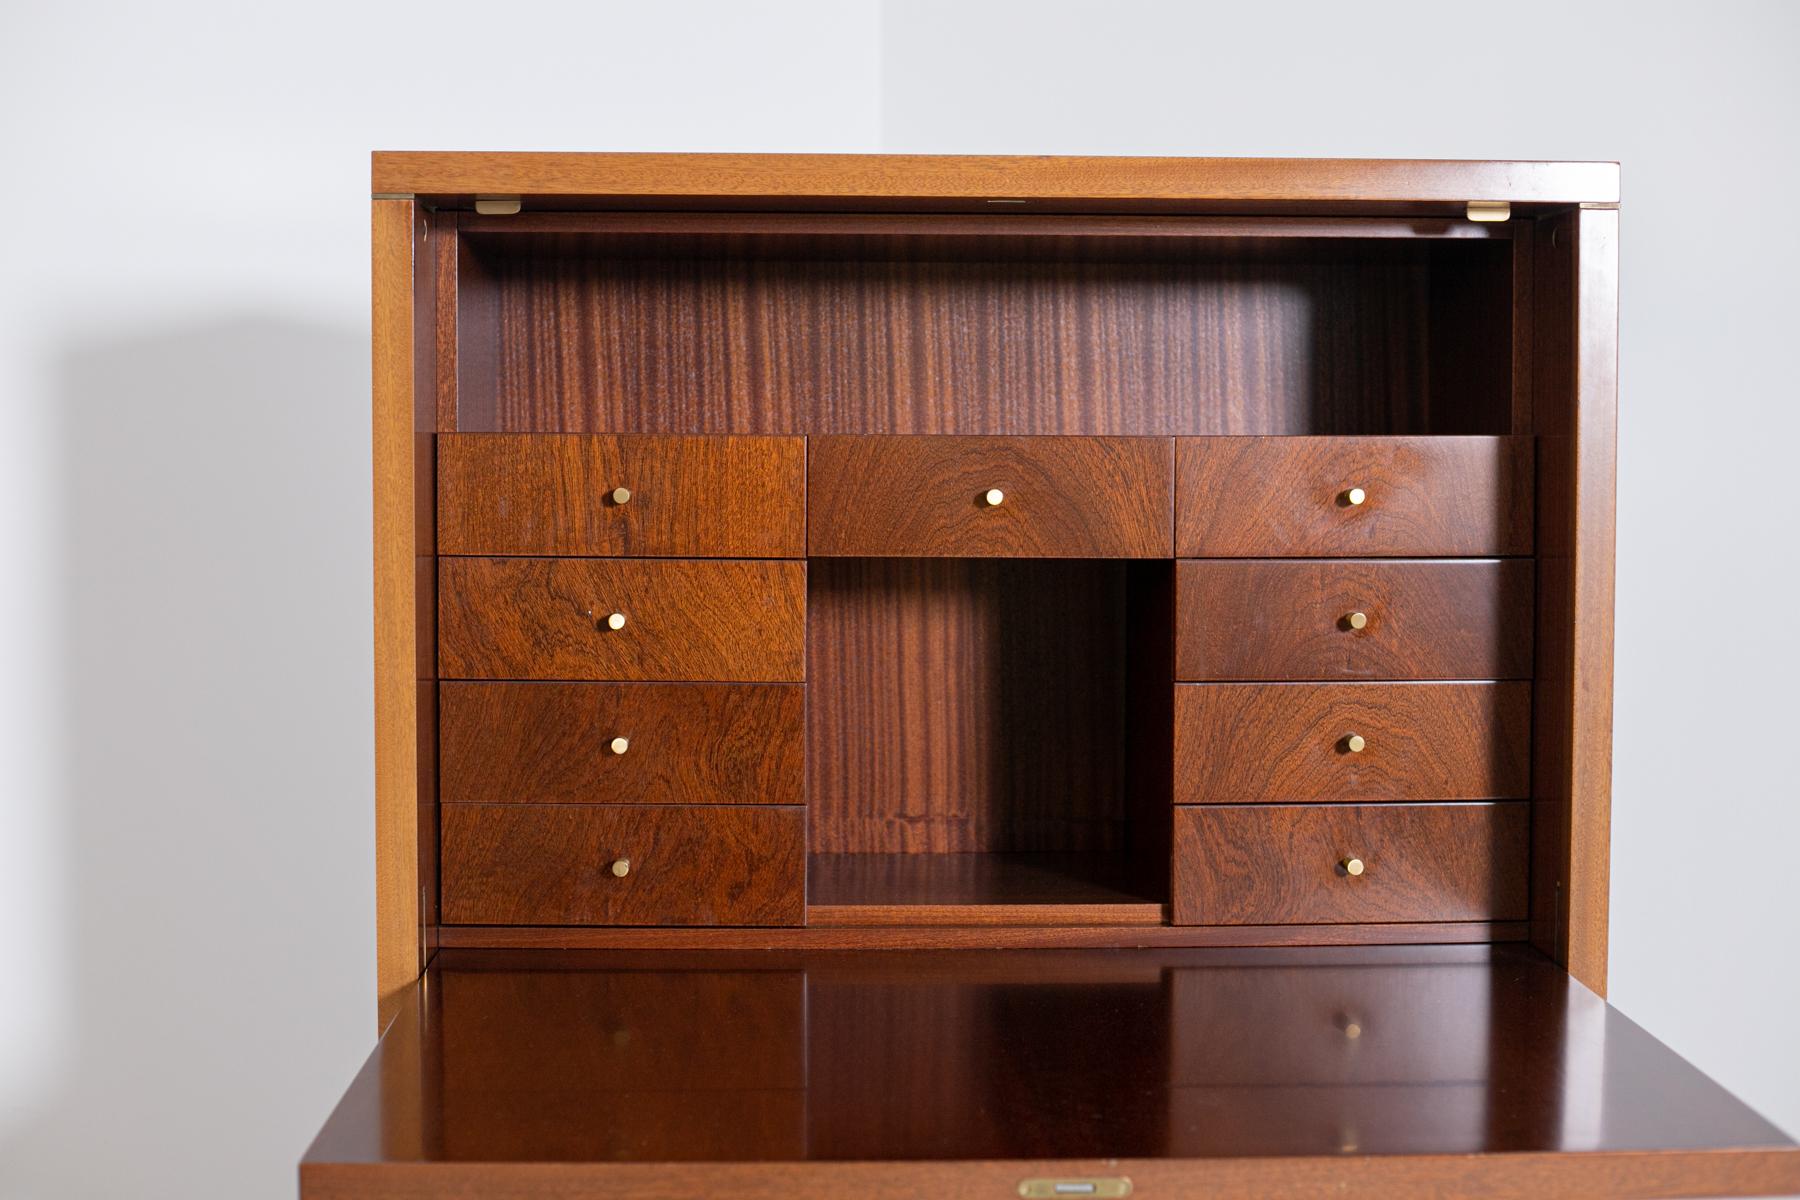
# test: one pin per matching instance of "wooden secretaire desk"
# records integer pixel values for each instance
(909, 676)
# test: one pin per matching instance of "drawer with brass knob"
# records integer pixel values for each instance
(1372, 496)
(579, 864)
(1243, 743)
(702, 620)
(1243, 619)
(621, 743)
(1019, 497)
(1296, 864)
(634, 496)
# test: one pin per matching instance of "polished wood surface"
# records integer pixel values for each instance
(1239, 743)
(553, 864)
(1240, 619)
(720, 497)
(1267, 497)
(930, 497)
(976, 889)
(563, 334)
(398, 549)
(967, 705)
(1272, 864)
(1127, 182)
(1474, 1071)
(699, 620)
(685, 743)
(1576, 389)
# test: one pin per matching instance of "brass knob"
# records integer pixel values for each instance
(1356, 620)
(615, 621)
(1355, 743)
(621, 495)
(993, 497)
(1352, 866)
(1348, 1025)
(1355, 496)
(619, 745)
(621, 867)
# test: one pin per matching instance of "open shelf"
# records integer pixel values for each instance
(976, 889)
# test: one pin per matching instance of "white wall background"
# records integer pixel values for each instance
(186, 873)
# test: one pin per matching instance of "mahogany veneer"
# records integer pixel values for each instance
(1288, 624)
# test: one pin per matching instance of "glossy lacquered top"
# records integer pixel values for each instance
(563, 1057)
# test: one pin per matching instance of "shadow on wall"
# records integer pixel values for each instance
(215, 821)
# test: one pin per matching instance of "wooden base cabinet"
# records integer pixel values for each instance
(884, 693)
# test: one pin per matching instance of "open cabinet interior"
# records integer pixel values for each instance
(906, 676)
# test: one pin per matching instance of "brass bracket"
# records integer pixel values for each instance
(1490, 210)
(1031, 1189)
(496, 206)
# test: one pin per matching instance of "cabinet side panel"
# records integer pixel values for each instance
(1576, 402)
(395, 454)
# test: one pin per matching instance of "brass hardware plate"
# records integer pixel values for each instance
(1117, 1186)
(1490, 210)
(497, 206)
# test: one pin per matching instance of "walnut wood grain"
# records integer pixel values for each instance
(829, 180)
(686, 743)
(550, 864)
(561, 339)
(695, 620)
(1238, 619)
(966, 705)
(1279, 864)
(1240, 743)
(1283, 496)
(925, 497)
(689, 496)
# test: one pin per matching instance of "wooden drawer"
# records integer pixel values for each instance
(1451, 619)
(552, 864)
(729, 497)
(1290, 496)
(684, 619)
(683, 743)
(1242, 743)
(926, 497)
(1285, 864)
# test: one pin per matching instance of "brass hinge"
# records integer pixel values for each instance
(496, 206)
(1031, 1189)
(1490, 210)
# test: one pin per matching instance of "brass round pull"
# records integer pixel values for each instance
(1352, 866)
(615, 621)
(993, 498)
(1356, 620)
(621, 495)
(621, 867)
(1355, 743)
(1355, 496)
(619, 745)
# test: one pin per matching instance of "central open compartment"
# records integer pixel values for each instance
(982, 741)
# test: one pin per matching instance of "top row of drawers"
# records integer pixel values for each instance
(952, 496)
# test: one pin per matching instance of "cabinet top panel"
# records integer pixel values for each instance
(976, 182)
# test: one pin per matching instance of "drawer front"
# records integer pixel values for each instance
(1456, 619)
(1292, 496)
(740, 497)
(547, 618)
(1285, 864)
(1243, 743)
(622, 743)
(553, 864)
(925, 497)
